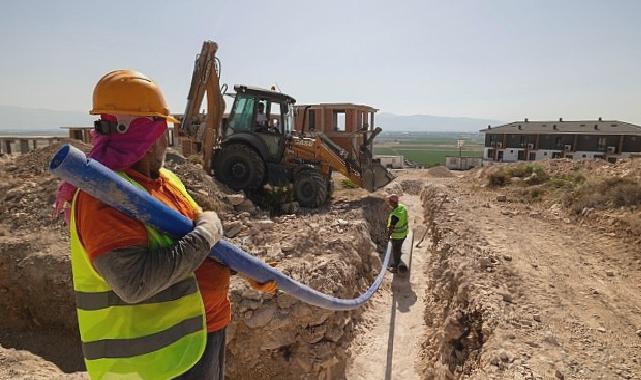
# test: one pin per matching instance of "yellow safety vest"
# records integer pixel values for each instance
(159, 338)
(402, 226)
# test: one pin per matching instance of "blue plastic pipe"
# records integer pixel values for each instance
(71, 165)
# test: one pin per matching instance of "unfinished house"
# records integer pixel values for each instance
(585, 139)
(346, 124)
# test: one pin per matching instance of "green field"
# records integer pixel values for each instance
(428, 149)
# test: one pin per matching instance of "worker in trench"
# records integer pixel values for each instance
(397, 230)
(150, 306)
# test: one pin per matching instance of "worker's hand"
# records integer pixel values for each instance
(208, 225)
(270, 287)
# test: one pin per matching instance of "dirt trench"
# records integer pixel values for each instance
(456, 323)
(334, 252)
(35, 282)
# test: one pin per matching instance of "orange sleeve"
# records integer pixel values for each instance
(102, 228)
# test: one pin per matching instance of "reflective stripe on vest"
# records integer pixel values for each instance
(158, 338)
(101, 300)
(126, 348)
(401, 228)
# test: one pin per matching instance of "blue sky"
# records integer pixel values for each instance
(503, 59)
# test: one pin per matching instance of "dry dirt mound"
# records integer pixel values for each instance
(27, 190)
(23, 365)
(626, 168)
(594, 193)
(622, 168)
(412, 186)
(36, 162)
(205, 190)
(439, 172)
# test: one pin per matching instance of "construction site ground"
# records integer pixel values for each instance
(501, 287)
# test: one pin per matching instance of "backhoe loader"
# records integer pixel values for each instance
(255, 148)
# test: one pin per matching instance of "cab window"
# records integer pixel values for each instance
(242, 114)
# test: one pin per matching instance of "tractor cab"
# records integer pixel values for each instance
(261, 118)
(252, 143)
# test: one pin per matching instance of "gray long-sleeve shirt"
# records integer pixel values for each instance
(137, 273)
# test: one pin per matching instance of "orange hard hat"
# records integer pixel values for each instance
(128, 92)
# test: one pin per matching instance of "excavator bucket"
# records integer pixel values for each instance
(375, 176)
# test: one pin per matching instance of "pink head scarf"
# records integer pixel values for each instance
(116, 151)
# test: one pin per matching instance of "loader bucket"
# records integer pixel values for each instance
(375, 176)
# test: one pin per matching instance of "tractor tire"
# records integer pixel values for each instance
(310, 188)
(239, 167)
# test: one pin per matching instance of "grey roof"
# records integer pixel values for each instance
(566, 127)
(262, 91)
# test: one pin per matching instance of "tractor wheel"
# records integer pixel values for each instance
(239, 167)
(310, 188)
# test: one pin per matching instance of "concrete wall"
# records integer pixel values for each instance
(394, 162)
(510, 154)
(585, 155)
(544, 154)
(463, 163)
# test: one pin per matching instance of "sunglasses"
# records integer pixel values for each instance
(121, 125)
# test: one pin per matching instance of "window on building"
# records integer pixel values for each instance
(339, 121)
(601, 143)
(311, 117)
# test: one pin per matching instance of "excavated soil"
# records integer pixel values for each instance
(518, 294)
(500, 289)
(330, 249)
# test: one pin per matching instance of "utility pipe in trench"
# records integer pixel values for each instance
(71, 165)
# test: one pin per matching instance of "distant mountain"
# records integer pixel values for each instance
(427, 123)
(38, 119)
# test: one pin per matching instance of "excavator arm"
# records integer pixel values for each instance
(204, 80)
(314, 149)
(370, 176)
